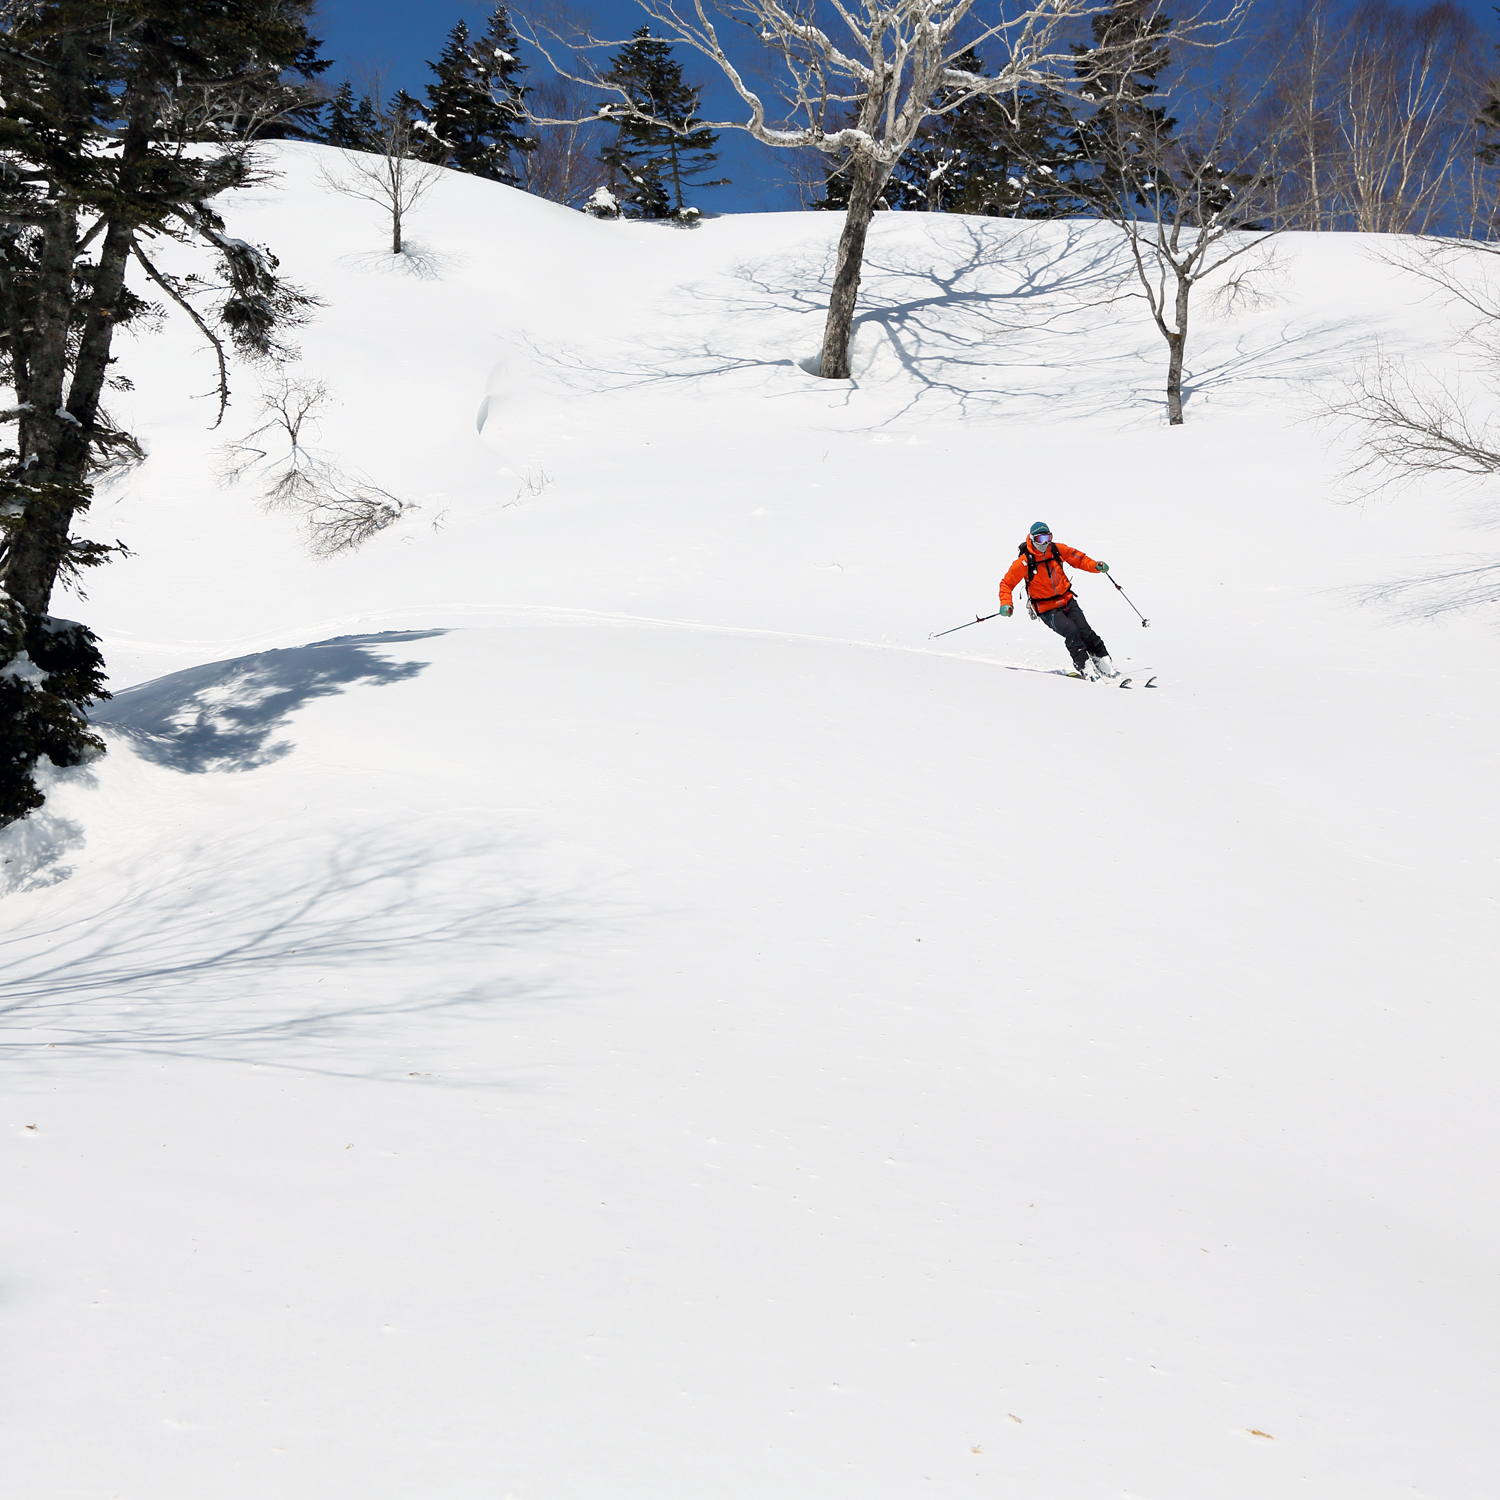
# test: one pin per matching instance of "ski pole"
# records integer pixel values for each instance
(1144, 620)
(977, 620)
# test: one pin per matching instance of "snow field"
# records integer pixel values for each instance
(627, 1016)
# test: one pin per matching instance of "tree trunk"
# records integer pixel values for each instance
(395, 229)
(91, 363)
(1176, 344)
(866, 181)
(37, 545)
(53, 437)
(1174, 379)
(54, 440)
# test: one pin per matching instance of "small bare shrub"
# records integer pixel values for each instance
(339, 511)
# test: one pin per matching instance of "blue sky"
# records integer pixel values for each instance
(398, 36)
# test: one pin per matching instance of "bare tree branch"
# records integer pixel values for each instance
(169, 286)
(1406, 427)
(863, 102)
(394, 178)
(564, 167)
(339, 510)
(1378, 108)
(1187, 205)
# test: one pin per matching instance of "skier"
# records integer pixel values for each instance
(1039, 560)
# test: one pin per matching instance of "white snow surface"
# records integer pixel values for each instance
(582, 999)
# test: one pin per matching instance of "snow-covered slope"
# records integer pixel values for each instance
(582, 999)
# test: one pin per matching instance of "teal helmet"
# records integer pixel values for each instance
(1040, 528)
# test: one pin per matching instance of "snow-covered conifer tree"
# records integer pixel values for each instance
(477, 107)
(287, 109)
(658, 149)
(1120, 76)
(342, 128)
(353, 124)
(602, 204)
(1010, 155)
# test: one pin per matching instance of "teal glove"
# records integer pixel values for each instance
(1006, 610)
(1102, 567)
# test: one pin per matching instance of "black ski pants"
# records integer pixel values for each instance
(1078, 635)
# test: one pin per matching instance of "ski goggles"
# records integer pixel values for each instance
(1042, 539)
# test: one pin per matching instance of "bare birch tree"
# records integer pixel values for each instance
(1405, 109)
(860, 100)
(564, 167)
(1377, 108)
(1187, 205)
(394, 176)
(1308, 45)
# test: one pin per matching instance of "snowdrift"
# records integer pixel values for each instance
(581, 997)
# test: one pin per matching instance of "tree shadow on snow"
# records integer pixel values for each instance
(1462, 584)
(997, 327)
(222, 717)
(972, 347)
(416, 259)
(1287, 360)
(951, 327)
(302, 952)
(32, 851)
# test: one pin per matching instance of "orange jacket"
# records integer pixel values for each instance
(1049, 588)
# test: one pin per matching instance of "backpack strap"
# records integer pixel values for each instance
(1025, 554)
(1033, 562)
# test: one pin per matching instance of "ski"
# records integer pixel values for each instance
(1123, 682)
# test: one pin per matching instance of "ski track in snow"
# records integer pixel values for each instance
(582, 998)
